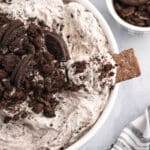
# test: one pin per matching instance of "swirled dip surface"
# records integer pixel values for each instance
(90, 65)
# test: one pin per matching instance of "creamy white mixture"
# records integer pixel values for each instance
(77, 111)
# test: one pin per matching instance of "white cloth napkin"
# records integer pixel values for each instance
(136, 136)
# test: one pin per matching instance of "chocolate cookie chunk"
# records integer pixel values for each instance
(7, 1)
(19, 71)
(3, 19)
(9, 36)
(35, 36)
(9, 62)
(79, 66)
(56, 46)
(3, 74)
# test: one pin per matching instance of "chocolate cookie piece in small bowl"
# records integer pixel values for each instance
(134, 15)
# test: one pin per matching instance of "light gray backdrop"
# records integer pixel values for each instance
(134, 95)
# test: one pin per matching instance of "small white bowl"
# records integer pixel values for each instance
(129, 27)
(103, 117)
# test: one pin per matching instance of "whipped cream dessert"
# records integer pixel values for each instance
(56, 73)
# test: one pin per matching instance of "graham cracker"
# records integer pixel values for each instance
(128, 66)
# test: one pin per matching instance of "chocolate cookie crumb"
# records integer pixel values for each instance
(107, 67)
(7, 1)
(24, 115)
(111, 74)
(79, 66)
(38, 107)
(16, 117)
(72, 16)
(7, 119)
(49, 112)
(3, 74)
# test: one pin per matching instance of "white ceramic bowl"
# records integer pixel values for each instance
(129, 27)
(114, 92)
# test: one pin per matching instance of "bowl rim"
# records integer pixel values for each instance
(114, 14)
(112, 98)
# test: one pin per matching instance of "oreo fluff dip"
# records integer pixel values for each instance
(56, 73)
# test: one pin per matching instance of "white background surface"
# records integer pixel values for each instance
(134, 95)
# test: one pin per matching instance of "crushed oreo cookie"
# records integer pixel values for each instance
(31, 67)
(56, 46)
(135, 12)
(7, 119)
(79, 66)
(106, 71)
